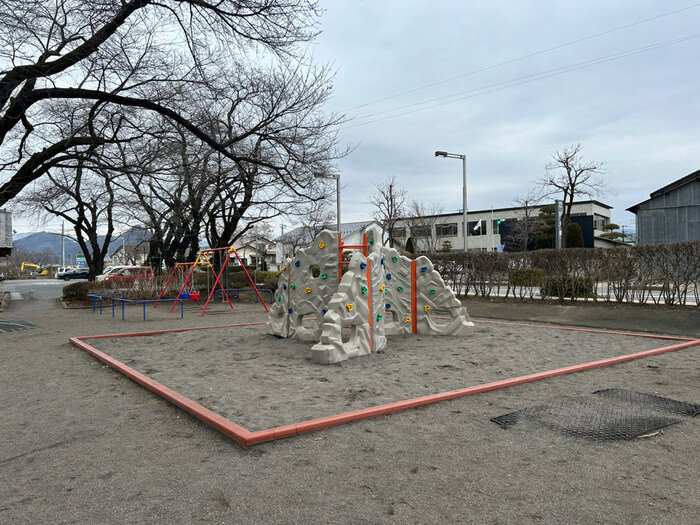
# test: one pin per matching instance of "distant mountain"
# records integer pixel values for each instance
(47, 241)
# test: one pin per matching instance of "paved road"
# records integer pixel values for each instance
(33, 294)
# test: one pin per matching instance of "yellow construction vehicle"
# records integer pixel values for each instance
(30, 265)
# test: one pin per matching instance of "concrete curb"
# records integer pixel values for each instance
(608, 316)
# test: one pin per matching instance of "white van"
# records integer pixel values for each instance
(62, 270)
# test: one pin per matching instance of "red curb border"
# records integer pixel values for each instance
(246, 437)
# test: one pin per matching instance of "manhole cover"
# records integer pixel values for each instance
(7, 325)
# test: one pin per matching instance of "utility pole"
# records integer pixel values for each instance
(63, 244)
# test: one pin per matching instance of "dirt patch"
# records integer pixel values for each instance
(81, 443)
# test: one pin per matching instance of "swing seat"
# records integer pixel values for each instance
(194, 296)
(185, 295)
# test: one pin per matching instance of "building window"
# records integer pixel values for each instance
(399, 232)
(476, 228)
(599, 221)
(446, 230)
(422, 231)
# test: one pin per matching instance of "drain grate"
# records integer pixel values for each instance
(605, 415)
(14, 326)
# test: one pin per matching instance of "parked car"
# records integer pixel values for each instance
(110, 270)
(62, 270)
(76, 273)
(129, 274)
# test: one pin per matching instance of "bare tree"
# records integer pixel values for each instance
(520, 231)
(421, 224)
(124, 54)
(569, 176)
(389, 203)
(314, 218)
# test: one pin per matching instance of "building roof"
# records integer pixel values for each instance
(346, 228)
(668, 188)
(511, 208)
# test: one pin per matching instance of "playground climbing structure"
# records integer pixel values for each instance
(381, 293)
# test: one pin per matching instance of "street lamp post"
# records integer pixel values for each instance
(464, 188)
(335, 176)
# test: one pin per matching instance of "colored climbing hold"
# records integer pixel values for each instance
(371, 240)
(324, 275)
(284, 267)
(400, 288)
(395, 259)
(279, 298)
(382, 261)
(297, 264)
(363, 265)
(284, 286)
(388, 306)
(379, 317)
(406, 319)
(364, 289)
(432, 291)
(423, 269)
(382, 288)
(388, 277)
(427, 307)
(324, 312)
(290, 310)
(308, 290)
(349, 307)
(293, 286)
(322, 245)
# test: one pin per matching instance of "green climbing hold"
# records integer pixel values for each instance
(279, 298)
(364, 289)
(400, 288)
(371, 240)
(379, 317)
(293, 286)
(395, 259)
(432, 291)
(324, 275)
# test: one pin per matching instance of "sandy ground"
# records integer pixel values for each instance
(81, 443)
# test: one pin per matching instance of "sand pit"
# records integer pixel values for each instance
(260, 381)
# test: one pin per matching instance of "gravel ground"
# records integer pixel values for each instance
(81, 443)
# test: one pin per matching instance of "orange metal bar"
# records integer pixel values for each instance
(414, 310)
(238, 433)
(245, 437)
(330, 421)
(369, 306)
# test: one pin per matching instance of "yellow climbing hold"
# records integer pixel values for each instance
(349, 307)
(308, 290)
(284, 267)
(406, 319)
(427, 307)
(322, 245)
(382, 288)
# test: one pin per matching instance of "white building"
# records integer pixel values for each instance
(288, 243)
(5, 233)
(487, 229)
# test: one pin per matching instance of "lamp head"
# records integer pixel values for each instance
(441, 154)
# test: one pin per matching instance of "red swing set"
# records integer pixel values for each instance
(187, 290)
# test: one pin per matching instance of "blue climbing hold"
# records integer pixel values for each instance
(388, 306)
(388, 277)
(284, 286)
(297, 264)
(382, 260)
(424, 269)
(290, 310)
(363, 265)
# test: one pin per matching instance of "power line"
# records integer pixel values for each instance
(536, 53)
(522, 80)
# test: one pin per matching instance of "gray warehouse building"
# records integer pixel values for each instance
(671, 214)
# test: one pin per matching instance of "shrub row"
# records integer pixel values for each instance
(666, 274)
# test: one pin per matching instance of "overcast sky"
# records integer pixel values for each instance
(487, 79)
(639, 113)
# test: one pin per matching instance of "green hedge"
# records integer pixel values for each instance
(526, 277)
